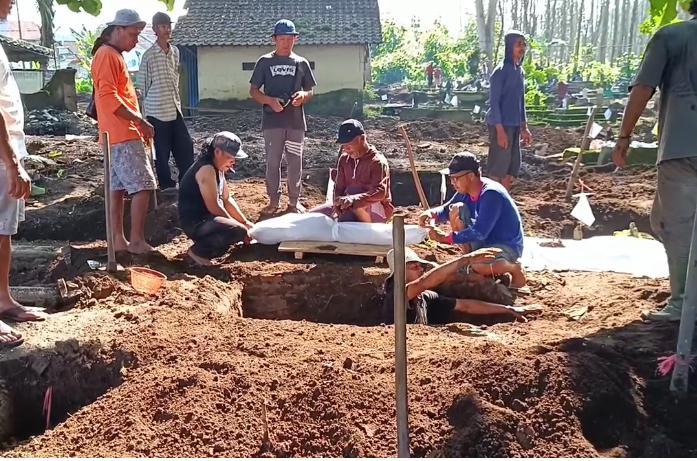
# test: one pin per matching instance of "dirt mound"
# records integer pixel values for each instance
(54, 122)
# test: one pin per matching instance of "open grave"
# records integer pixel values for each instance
(266, 355)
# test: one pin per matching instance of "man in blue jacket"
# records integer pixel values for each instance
(507, 121)
(481, 214)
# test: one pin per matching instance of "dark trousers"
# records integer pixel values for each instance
(171, 138)
(214, 236)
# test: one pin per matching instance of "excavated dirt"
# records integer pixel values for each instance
(270, 356)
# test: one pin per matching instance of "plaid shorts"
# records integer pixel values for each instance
(11, 209)
(131, 168)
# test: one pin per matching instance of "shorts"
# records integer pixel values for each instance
(504, 162)
(507, 252)
(438, 307)
(131, 168)
(11, 209)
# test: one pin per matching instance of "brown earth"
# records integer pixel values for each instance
(269, 356)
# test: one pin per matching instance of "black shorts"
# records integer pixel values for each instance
(438, 307)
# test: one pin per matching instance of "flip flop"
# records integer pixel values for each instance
(270, 209)
(21, 314)
(6, 330)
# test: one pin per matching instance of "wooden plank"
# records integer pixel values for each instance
(354, 249)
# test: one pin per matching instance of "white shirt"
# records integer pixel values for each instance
(11, 107)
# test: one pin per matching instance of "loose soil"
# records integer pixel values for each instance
(265, 355)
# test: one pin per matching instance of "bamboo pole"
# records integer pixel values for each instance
(585, 143)
(414, 173)
(111, 254)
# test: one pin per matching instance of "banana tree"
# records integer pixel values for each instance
(663, 12)
(93, 7)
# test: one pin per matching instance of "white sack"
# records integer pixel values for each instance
(375, 233)
(292, 227)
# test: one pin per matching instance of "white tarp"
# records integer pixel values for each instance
(629, 255)
(319, 228)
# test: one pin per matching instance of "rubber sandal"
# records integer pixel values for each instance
(17, 315)
(521, 290)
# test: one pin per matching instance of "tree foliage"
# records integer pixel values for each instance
(93, 7)
(663, 12)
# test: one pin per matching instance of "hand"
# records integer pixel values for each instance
(248, 224)
(298, 98)
(501, 137)
(146, 129)
(275, 104)
(436, 234)
(621, 151)
(344, 203)
(425, 219)
(526, 137)
(454, 212)
(19, 181)
(483, 255)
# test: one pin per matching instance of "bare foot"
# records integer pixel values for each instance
(140, 248)
(9, 337)
(201, 261)
(13, 311)
(120, 245)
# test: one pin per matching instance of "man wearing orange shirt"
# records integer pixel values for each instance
(119, 115)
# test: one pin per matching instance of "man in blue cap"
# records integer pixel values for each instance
(481, 214)
(282, 83)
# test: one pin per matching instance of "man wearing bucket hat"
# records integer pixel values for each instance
(158, 82)
(287, 82)
(208, 213)
(118, 114)
(481, 214)
(425, 306)
(362, 184)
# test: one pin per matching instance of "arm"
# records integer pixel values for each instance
(649, 77)
(340, 184)
(486, 220)
(233, 209)
(495, 90)
(206, 179)
(306, 86)
(143, 81)
(439, 214)
(109, 99)
(438, 275)
(17, 177)
(379, 176)
(524, 131)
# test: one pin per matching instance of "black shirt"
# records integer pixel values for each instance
(192, 208)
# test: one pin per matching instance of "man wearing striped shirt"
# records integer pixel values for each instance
(158, 82)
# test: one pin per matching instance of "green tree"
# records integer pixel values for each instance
(93, 7)
(663, 12)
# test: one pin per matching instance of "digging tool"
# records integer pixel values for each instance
(414, 173)
(681, 370)
(585, 144)
(111, 254)
(400, 331)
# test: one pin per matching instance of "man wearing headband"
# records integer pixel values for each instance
(208, 213)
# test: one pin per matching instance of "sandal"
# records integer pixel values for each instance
(5, 332)
(20, 314)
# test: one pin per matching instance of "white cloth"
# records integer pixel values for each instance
(11, 106)
(629, 255)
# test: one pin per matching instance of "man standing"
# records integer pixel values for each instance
(362, 189)
(15, 186)
(669, 62)
(118, 114)
(158, 82)
(506, 118)
(287, 82)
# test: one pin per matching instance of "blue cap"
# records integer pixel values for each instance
(285, 27)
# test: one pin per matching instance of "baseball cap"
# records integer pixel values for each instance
(127, 18)
(348, 130)
(229, 142)
(410, 256)
(463, 162)
(161, 18)
(285, 27)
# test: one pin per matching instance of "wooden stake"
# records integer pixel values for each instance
(414, 173)
(154, 156)
(400, 332)
(111, 254)
(585, 144)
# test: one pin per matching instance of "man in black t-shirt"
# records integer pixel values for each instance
(287, 82)
(425, 306)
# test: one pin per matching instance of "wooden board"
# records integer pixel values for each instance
(337, 248)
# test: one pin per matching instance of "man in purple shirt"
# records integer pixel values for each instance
(506, 118)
